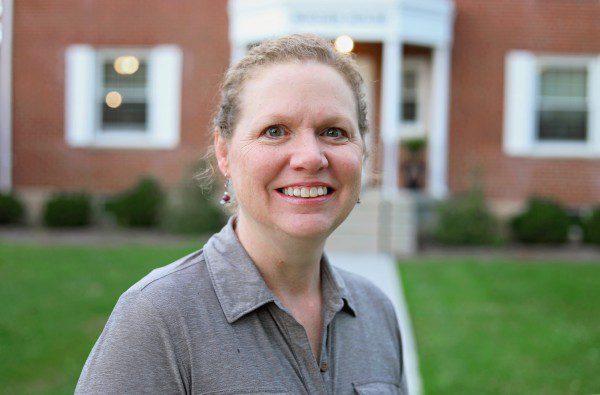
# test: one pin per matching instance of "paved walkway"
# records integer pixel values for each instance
(382, 270)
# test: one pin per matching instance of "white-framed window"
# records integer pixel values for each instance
(123, 97)
(552, 105)
(415, 93)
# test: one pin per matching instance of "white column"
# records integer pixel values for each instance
(6, 97)
(437, 146)
(391, 96)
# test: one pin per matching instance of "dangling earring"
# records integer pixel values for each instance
(226, 199)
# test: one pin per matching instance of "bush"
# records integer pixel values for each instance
(194, 211)
(68, 210)
(139, 206)
(12, 210)
(591, 227)
(465, 220)
(544, 221)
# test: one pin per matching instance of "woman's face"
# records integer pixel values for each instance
(297, 134)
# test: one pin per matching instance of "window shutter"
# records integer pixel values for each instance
(594, 104)
(80, 81)
(519, 102)
(165, 95)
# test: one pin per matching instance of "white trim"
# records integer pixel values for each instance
(437, 144)
(522, 71)
(6, 97)
(83, 73)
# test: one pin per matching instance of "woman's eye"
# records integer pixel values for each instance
(275, 132)
(334, 133)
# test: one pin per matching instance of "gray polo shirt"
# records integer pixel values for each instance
(208, 324)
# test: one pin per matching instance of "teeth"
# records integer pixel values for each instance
(305, 192)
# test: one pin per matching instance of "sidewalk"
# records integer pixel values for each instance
(381, 270)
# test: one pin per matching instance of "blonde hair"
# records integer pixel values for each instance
(292, 48)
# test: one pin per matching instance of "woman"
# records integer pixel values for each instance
(259, 309)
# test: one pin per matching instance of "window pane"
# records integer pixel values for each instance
(409, 111)
(131, 113)
(131, 116)
(562, 125)
(409, 96)
(556, 82)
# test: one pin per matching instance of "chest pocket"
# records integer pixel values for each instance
(377, 388)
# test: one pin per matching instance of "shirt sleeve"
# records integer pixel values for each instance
(134, 353)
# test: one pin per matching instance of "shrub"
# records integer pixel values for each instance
(68, 210)
(591, 227)
(194, 211)
(466, 220)
(12, 210)
(543, 221)
(139, 206)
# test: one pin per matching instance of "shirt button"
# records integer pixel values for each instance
(324, 367)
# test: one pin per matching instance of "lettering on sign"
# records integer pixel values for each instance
(337, 18)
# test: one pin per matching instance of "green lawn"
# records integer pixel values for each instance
(54, 302)
(481, 327)
(506, 327)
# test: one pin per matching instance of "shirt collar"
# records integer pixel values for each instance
(240, 287)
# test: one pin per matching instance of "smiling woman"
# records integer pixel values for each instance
(260, 309)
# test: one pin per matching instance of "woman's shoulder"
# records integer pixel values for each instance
(166, 287)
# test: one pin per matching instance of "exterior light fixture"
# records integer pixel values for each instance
(126, 65)
(344, 44)
(113, 99)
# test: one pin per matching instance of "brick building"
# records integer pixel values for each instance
(506, 92)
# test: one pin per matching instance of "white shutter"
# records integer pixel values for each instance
(594, 105)
(519, 102)
(80, 81)
(164, 99)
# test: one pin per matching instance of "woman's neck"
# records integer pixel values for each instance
(289, 266)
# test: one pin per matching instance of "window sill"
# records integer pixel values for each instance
(560, 150)
(127, 140)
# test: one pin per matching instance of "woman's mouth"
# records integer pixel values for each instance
(306, 192)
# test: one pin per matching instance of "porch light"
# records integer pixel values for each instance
(126, 64)
(113, 99)
(344, 44)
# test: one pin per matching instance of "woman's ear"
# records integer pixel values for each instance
(221, 152)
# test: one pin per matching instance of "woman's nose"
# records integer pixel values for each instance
(307, 154)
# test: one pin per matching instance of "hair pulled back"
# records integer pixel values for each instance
(287, 49)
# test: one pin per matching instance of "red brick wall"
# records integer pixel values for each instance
(484, 32)
(42, 31)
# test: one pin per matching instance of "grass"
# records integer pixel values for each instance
(505, 327)
(496, 327)
(54, 304)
